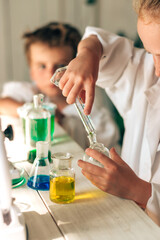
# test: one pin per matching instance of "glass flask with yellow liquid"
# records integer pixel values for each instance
(86, 120)
(62, 178)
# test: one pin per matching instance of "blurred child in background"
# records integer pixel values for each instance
(47, 48)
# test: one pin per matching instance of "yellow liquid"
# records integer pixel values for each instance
(62, 189)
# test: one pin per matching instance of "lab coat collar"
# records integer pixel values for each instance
(153, 94)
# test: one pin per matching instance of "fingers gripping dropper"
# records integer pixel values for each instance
(86, 120)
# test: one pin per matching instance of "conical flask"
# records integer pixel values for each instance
(86, 120)
(39, 175)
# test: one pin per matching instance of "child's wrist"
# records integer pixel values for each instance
(144, 193)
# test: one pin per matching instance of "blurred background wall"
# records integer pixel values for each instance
(17, 16)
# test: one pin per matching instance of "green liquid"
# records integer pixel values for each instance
(38, 130)
(24, 128)
(52, 126)
(32, 155)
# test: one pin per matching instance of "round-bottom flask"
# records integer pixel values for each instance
(62, 179)
(39, 175)
(97, 146)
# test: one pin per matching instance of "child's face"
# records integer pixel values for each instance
(43, 63)
(150, 36)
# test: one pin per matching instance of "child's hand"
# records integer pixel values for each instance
(116, 178)
(80, 77)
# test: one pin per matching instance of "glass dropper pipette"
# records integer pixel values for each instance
(86, 120)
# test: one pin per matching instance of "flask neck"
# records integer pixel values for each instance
(38, 100)
(41, 156)
(62, 160)
(65, 164)
(96, 145)
(42, 149)
(92, 138)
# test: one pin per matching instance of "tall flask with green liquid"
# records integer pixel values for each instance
(37, 124)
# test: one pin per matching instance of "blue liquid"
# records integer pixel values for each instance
(41, 183)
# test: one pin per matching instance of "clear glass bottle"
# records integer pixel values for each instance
(38, 122)
(86, 120)
(39, 175)
(62, 179)
(22, 112)
(51, 107)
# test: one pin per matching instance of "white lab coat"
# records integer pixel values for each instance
(106, 128)
(127, 74)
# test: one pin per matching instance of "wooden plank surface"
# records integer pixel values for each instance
(93, 215)
(98, 215)
(39, 222)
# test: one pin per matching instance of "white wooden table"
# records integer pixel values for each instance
(93, 215)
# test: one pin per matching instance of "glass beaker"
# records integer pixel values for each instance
(62, 179)
(39, 175)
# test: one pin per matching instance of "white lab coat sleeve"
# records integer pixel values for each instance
(70, 110)
(117, 52)
(102, 116)
(19, 91)
(74, 126)
(106, 129)
(153, 205)
(118, 68)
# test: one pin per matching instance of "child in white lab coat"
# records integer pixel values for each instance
(131, 77)
(47, 48)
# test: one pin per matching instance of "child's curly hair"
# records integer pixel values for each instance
(147, 8)
(53, 34)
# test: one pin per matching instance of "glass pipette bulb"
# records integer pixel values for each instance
(86, 120)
